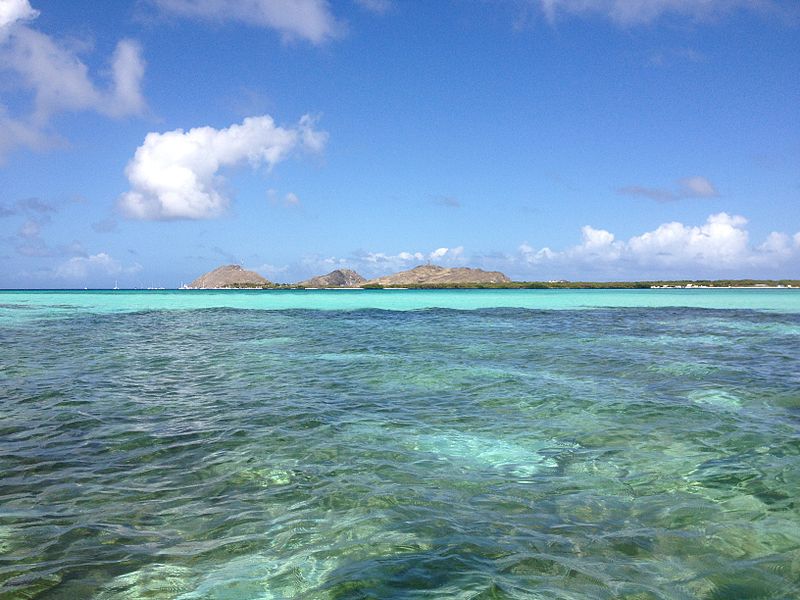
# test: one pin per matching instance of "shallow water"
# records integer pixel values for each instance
(501, 452)
(20, 304)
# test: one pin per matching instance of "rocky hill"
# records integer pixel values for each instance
(435, 275)
(229, 276)
(337, 278)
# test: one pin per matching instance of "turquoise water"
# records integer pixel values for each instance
(60, 302)
(471, 444)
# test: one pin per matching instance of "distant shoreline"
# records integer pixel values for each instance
(784, 284)
(704, 284)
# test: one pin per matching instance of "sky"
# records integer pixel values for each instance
(145, 142)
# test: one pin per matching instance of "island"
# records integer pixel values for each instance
(229, 276)
(437, 277)
(340, 278)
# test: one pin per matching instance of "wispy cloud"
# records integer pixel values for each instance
(310, 20)
(657, 194)
(35, 214)
(664, 58)
(105, 225)
(226, 255)
(379, 7)
(29, 240)
(79, 268)
(288, 200)
(271, 272)
(27, 206)
(58, 80)
(176, 174)
(447, 201)
(697, 187)
(688, 187)
(641, 12)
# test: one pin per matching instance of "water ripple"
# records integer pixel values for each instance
(497, 453)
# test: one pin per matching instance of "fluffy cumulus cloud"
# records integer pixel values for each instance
(719, 247)
(79, 268)
(721, 242)
(383, 263)
(57, 80)
(176, 174)
(12, 11)
(638, 12)
(375, 264)
(310, 20)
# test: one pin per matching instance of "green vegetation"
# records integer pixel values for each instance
(558, 285)
(260, 286)
(610, 285)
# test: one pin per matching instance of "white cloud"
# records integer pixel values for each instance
(405, 259)
(289, 200)
(15, 132)
(311, 20)
(778, 245)
(58, 80)
(721, 242)
(598, 241)
(720, 245)
(380, 263)
(175, 175)
(128, 70)
(598, 246)
(80, 267)
(639, 12)
(12, 11)
(374, 264)
(532, 256)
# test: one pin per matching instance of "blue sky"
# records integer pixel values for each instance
(153, 140)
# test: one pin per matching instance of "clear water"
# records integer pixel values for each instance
(239, 445)
(59, 303)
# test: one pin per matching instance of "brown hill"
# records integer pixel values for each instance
(435, 275)
(337, 278)
(229, 276)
